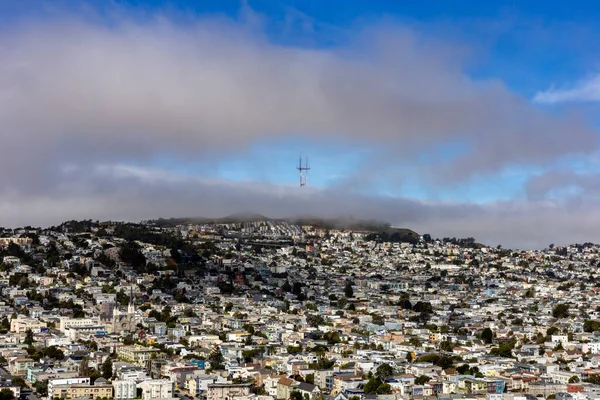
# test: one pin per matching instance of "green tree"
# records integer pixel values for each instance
(487, 335)
(54, 352)
(95, 374)
(7, 394)
(591, 326)
(574, 379)
(553, 330)
(595, 379)
(41, 387)
(216, 359)
(463, 369)
(295, 395)
(445, 362)
(560, 310)
(371, 386)
(107, 368)
(19, 381)
(384, 388)
(131, 253)
(84, 368)
(420, 380)
(348, 291)
(446, 345)
(505, 349)
(315, 320)
(384, 371)
(29, 337)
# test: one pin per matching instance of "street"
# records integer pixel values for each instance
(26, 392)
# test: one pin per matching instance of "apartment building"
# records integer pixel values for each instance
(137, 354)
(124, 389)
(52, 383)
(79, 390)
(22, 324)
(226, 391)
(157, 389)
(67, 322)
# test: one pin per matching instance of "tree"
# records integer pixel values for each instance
(405, 304)
(216, 359)
(384, 371)
(107, 368)
(295, 395)
(595, 379)
(446, 345)
(463, 369)
(591, 326)
(487, 335)
(560, 310)
(41, 387)
(371, 386)
(574, 379)
(445, 362)
(131, 254)
(505, 349)
(423, 307)
(95, 375)
(84, 368)
(54, 352)
(29, 337)
(384, 388)
(348, 291)
(553, 330)
(19, 381)
(7, 394)
(297, 288)
(315, 320)
(420, 380)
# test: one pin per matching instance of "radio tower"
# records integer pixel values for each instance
(303, 170)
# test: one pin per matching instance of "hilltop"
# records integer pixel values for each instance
(345, 223)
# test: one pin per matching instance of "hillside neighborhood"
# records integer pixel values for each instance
(277, 310)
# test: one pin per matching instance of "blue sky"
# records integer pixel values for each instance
(487, 107)
(526, 45)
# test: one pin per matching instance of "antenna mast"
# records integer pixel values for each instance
(303, 170)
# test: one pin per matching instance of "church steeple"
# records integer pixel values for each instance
(131, 306)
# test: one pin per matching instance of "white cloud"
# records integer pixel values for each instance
(123, 192)
(81, 102)
(74, 91)
(587, 90)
